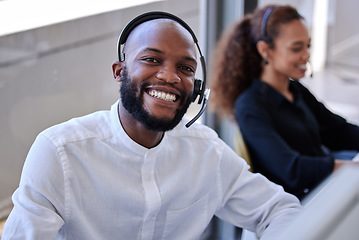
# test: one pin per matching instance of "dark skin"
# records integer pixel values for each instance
(162, 53)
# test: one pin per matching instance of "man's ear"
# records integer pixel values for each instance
(263, 49)
(116, 70)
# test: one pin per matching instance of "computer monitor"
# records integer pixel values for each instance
(331, 211)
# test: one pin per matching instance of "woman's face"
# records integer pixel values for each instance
(290, 54)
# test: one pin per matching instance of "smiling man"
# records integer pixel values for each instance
(157, 78)
(136, 171)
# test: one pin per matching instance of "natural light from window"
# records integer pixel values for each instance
(21, 15)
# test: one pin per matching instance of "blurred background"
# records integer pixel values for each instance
(56, 57)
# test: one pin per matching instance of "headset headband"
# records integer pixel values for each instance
(151, 16)
(147, 17)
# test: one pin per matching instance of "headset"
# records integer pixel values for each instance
(199, 85)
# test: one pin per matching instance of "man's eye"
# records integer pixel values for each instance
(188, 69)
(151, 60)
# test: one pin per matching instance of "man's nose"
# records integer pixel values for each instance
(168, 74)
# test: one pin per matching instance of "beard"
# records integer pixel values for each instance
(132, 101)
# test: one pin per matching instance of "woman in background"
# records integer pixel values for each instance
(290, 135)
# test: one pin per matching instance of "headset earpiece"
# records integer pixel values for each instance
(196, 89)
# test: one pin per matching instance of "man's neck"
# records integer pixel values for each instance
(136, 131)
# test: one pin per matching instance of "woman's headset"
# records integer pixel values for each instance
(199, 85)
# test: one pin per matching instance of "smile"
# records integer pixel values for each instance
(163, 95)
(302, 66)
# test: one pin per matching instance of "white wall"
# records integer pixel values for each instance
(51, 74)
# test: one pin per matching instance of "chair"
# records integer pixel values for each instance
(241, 148)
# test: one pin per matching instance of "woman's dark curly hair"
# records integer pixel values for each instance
(236, 61)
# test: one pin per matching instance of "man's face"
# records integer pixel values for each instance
(131, 98)
(158, 73)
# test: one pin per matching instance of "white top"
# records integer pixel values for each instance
(86, 179)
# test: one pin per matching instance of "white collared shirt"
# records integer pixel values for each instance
(86, 179)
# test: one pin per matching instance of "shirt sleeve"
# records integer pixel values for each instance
(336, 132)
(251, 201)
(39, 199)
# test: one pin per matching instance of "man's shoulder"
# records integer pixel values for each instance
(196, 130)
(93, 125)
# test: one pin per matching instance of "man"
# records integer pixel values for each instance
(136, 171)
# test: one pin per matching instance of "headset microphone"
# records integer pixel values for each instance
(203, 107)
(199, 89)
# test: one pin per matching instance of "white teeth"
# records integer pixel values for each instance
(303, 66)
(162, 95)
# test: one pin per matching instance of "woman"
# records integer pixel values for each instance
(290, 135)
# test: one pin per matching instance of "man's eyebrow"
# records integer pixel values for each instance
(161, 52)
(153, 50)
(191, 59)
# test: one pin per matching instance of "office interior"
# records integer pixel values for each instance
(55, 64)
